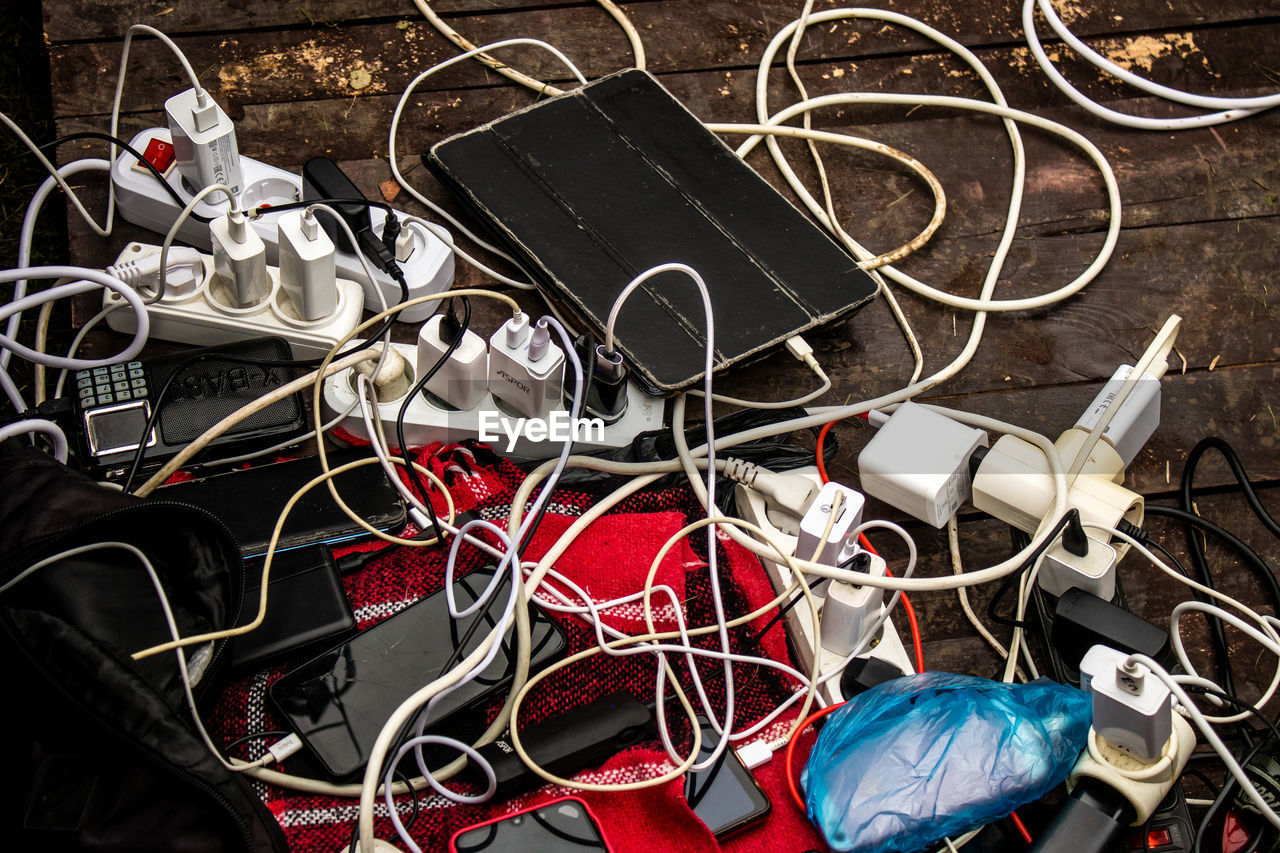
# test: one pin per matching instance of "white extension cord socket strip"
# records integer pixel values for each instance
(428, 421)
(799, 622)
(206, 314)
(428, 268)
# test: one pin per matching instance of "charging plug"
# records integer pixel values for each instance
(814, 522)
(787, 497)
(204, 142)
(849, 609)
(1079, 561)
(526, 368)
(239, 259)
(606, 381)
(1130, 710)
(461, 381)
(307, 265)
(1134, 423)
(919, 462)
(186, 271)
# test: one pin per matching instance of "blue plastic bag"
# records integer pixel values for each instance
(920, 758)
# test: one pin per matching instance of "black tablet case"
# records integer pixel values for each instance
(591, 188)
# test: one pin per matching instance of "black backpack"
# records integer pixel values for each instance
(99, 751)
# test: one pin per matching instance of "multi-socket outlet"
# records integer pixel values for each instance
(204, 309)
(429, 419)
(886, 645)
(427, 261)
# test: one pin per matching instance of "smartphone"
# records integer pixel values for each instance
(563, 824)
(338, 702)
(725, 796)
(250, 501)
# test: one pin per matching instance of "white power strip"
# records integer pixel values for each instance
(428, 269)
(428, 421)
(887, 647)
(206, 314)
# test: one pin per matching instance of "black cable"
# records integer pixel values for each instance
(1237, 470)
(1168, 557)
(106, 137)
(1252, 558)
(458, 332)
(295, 205)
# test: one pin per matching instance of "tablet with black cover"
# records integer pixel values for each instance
(591, 188)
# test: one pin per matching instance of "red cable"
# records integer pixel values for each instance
(1022, 828)
(791, 748)
(862, 539)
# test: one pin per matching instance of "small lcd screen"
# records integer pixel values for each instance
(113, 430)
(339, 701)
(725, 796)
(556, 827)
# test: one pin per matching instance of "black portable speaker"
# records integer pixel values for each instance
(112, 405)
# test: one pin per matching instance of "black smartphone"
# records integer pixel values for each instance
(553, 827)
(250, 501)
(338, 702)
(725, 796)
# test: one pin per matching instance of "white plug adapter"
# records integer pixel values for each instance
(307, 270)
(204, 141)
(526, 368)
(1134, 423)
(918, 461)
(185, 271)
(239, 259)
(1095, 572)
(814, 522)
(849, 609)
(463, 380)
(1131, 710)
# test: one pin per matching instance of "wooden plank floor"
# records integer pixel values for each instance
(1200, 234)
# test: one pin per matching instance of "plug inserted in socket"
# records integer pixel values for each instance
(1132, 711)
(463, 380)
(886, 645)
(307, 270)
(1094, 572)
(209, 312)
(427, 261)
(204, 142)
(428, 421)
(849, 610)
(526, 367)
(814, 522)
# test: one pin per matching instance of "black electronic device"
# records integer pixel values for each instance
(338, 702)
(306, 606)
(725, 796)
(250, 501)
(553, 827)
(112, 404)
(592, 188)
(579, 738)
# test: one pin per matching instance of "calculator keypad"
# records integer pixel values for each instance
(118, 383)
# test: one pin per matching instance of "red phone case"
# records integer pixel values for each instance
(575, 800)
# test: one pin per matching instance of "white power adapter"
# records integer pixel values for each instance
(918, 461)
(1094, 572)
(307, 270)
(204, 141)
(1136, 420)
(526, 368)
(849, 609)
(814, 522)
(239, 259)
(1130, 709)
(463, 380)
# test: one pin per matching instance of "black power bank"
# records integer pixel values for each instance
(594, 187)
(306, 606)
(250, 501)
